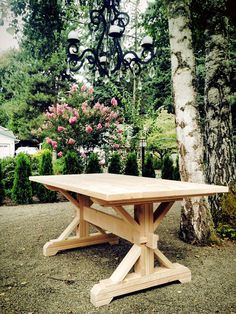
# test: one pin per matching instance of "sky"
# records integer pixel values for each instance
(7, 41)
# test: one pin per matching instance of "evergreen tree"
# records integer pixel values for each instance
(115, 164)
(1, 186)
(72, 163)
(93, 165)
(148, 168)
(176, 174)
(45, 168)
(131, 164)
(167, 168)
(22, 190)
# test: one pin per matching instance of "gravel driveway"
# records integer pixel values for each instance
(32, 283)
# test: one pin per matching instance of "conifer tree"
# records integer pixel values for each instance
(167, 168)
(148, 169)
(131, 165)
(93, 165)
(2, 194)
(72, 163)
(22, 190)
(115, 164)
(45, 168)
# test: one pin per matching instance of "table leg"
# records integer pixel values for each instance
(141, 259)
(80, 226)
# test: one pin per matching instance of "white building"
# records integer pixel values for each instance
(7, 143)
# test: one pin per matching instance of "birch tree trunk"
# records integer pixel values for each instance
(218, 126)
(196, 221)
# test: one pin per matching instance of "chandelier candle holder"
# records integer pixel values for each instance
(107, 23)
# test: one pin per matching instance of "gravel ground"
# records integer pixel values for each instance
(32, 283)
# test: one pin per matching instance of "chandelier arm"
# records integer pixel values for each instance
(80, 59)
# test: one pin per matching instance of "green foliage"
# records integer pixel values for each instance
(148, 168)
(228, 205)
(78, 122)
(22, 190)
(45, 168)
(72, 163)
(131, 165)
(161, 133)
(8, 170)
(157, 163)
(167, 168)
(156, 90)
(115, 163)
(226, 231)
(93, 165)
(176, 174)
(2, 194)
(58, 166)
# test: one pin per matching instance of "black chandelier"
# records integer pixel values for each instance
(108, 24)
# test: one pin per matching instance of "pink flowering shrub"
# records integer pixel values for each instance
(82, 122)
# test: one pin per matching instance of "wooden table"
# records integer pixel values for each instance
(116, 191)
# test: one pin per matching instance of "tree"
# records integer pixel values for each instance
(176, 174)
(218, 123)
(196, 220)
(45, 168)
(81, 123)
(72, 163)
(115, 164)
(22, 190)
(167, 169)
(93, 165)
(131, 165)
(2, 194)
(148, 169)
(161, 133)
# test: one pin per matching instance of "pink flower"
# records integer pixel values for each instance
(73, 89)
(50, 115)
(73, 120)
(83, 155)
(90, 90)
(119, 131)
(83, 88)
(84, 106)
(114, 102)
(61, 129)
(54, 144)
(97, 105)
(59, 154)
(99, 126)
(88, 129)
(113, 115)
(116, 146)
(76, 113)
(71, 141)
(49, 140)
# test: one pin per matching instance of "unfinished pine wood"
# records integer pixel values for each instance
(103, 292)
(127, 263)
(136, 271)
(143, 214)
(110, 222)
(83, 230)
(54, 246)
(114, 187)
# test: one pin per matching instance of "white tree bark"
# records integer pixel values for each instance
(196, 222)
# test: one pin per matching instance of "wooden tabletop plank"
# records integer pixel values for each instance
(113, 187)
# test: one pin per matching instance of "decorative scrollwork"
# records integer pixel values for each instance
(107, 58)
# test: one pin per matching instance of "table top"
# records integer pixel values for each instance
(115, 187)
